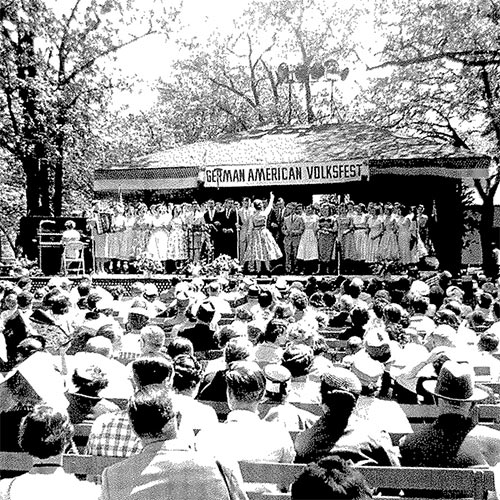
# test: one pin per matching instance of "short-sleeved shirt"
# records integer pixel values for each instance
(244, 436)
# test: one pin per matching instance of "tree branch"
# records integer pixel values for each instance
(114, 48)
(454, 55)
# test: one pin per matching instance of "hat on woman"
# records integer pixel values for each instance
(455, 383)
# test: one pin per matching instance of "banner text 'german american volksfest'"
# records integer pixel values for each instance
(286, 173)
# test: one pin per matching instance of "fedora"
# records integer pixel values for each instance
(455, 383)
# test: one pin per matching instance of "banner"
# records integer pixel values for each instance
(286, 173)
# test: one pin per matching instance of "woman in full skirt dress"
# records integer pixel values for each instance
(177, 247)
(261, 246)
(116, 236)
(158, 241)
(360, 233)
(127, 246)
(389, 249)
(326, 238)
(344, 226)
(375, 230)
(142, 230)
(404, 234)
(308, 245)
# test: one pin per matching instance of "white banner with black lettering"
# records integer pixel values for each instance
(286, 173)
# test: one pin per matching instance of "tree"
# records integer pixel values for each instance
(56, 79)
(444, 82)
(234, 81)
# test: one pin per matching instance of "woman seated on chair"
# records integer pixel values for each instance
(69, 235)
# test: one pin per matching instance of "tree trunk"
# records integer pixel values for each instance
(58, 186)
(486, 232)
(310, 112)
(33, 206)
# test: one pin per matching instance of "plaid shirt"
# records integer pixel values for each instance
(112, 435)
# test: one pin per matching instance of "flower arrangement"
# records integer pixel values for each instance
(146, 264)
(25, 267)
(221, 266)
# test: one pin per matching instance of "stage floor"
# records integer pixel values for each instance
(164, 281)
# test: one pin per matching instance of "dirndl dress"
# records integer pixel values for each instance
(326, 238)
(389, 249)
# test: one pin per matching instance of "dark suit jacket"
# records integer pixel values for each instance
(15, 331)
(201, 336)
(275, 224)
(443, 443)
(227, 241)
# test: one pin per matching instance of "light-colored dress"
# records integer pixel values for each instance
(308, 246)
(127, 248)
(326, 238)
(404, 237)
(116, 236)
(376, 229)
(159, 239)
(261, 246)
(389, 249)
(360, 237)
(177, 247)
(141, 232)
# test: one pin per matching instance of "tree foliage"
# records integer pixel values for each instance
(442, 60)
(55, 81)
(232, 83)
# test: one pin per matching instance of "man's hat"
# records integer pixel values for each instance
(206, 312)
(341, 379)
(182, 299)
(140, 310)
(281, 285)
(253, 291)
(151, 289)
(277, 377)
(455, 383)
(420, 287)
(368, 370)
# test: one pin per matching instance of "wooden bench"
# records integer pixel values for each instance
(474, 482)
(486, 414)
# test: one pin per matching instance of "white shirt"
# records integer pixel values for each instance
(244, 436)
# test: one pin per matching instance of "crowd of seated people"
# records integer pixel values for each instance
(308, 370)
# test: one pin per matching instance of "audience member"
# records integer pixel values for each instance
(338, 432)
(244, 436)
(45, 434)
(166, 463)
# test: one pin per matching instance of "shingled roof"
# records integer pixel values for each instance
(385, 152)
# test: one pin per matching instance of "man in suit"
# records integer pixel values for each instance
(201, 334)
(227, 241)
(293, 227)
(167, 466)
(244, 215)
(212, 222)
(18, 326)
(275, 223)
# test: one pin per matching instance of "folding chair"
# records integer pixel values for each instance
(73, 258)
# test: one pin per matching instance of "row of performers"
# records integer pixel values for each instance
(262, 232)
